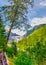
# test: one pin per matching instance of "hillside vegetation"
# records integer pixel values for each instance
(39, 35)
(34, 46)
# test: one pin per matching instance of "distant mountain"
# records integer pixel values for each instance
(14, 34)
(13, 37)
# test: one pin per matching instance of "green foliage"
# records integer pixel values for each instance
(14, 47)
(39, 51)
(2, 35)
(11, 50)
(23, 59)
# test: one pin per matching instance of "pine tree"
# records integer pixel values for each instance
(16, 13)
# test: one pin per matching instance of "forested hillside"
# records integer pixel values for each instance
(34, 46)
(34, 28)
(39, 35)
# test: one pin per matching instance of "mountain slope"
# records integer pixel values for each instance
(39, 35)
(34, 28)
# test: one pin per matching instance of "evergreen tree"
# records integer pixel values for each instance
(16, 13)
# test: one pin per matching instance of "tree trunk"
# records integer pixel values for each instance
(11, 25)
(9, 32)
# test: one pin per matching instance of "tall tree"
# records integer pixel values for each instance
(16, 13)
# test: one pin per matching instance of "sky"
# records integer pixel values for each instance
(36, 15)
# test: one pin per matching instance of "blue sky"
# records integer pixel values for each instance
(4, 2)
(36, 15)
(39, 9)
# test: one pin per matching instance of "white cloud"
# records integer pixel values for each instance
(7, 28)
(38, 21)
(43, 3)
(17, 31)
